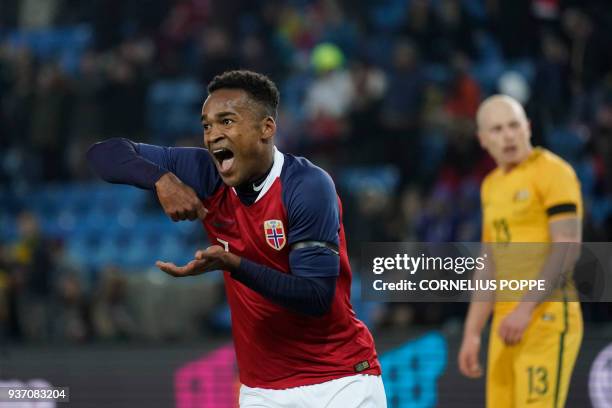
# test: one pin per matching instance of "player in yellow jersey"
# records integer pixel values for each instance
(532, 196)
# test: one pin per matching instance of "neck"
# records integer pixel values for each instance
(509, 166)
(256, 181)
(266, 166)
(248, 191)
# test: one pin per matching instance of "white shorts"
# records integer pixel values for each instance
(355, 391)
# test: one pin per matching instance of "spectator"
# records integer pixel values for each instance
(111, 316)
(32, 278)
(71, 320)
(402, 105)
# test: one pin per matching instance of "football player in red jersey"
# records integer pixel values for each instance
(277, 221)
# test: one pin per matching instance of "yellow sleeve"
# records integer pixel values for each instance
(485, 235)
(559, 191)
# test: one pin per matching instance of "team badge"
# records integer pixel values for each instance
(275, 234)
(521, 195)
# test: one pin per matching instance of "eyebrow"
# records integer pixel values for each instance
(508, 123)
(219, 115)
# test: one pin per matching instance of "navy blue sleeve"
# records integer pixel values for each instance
(122, 161)
(299, 292)
(192, 165)
(312, 206)
(313, 214)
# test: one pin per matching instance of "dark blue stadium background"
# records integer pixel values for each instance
(381, 94)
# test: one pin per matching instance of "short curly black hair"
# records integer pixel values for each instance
(261, 88)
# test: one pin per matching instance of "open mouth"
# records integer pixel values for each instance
(510, 149)
(225, 158)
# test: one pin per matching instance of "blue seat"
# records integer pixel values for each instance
(173, 108)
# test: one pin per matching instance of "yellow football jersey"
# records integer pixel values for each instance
(517, 208)
(518, 205)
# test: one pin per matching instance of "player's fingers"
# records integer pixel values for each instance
(215, 250)
(469, 366)
(510, 336)
(209, 253)
(162, 264)
(463, 364)
(168, 267)
(198, 208)
(191, 268)
(197, 211)
(465, 357)
(517, 335)
(194, 208)
(508, 339)
(183, 214)
(192, 215)
(201, 211)
(474, 370)
(501, 331)
(196, 267)
(473, 366)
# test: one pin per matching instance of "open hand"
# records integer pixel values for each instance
(178, 200)
(192, 268)
(211, 259)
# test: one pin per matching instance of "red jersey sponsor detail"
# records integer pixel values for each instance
(275, 347)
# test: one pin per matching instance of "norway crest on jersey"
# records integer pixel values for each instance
(275, 234)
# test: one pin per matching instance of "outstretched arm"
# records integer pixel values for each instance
(308, 289)
(122, 161)
(118, 161)
(181, 176)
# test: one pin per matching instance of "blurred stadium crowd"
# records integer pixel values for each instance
(380, 94)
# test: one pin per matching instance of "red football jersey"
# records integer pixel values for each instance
(277, 348)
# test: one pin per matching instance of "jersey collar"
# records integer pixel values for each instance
(277, 167)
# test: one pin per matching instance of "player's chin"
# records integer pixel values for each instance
(231, 178)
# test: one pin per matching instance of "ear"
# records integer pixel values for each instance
(268, 128)
(529, 128)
